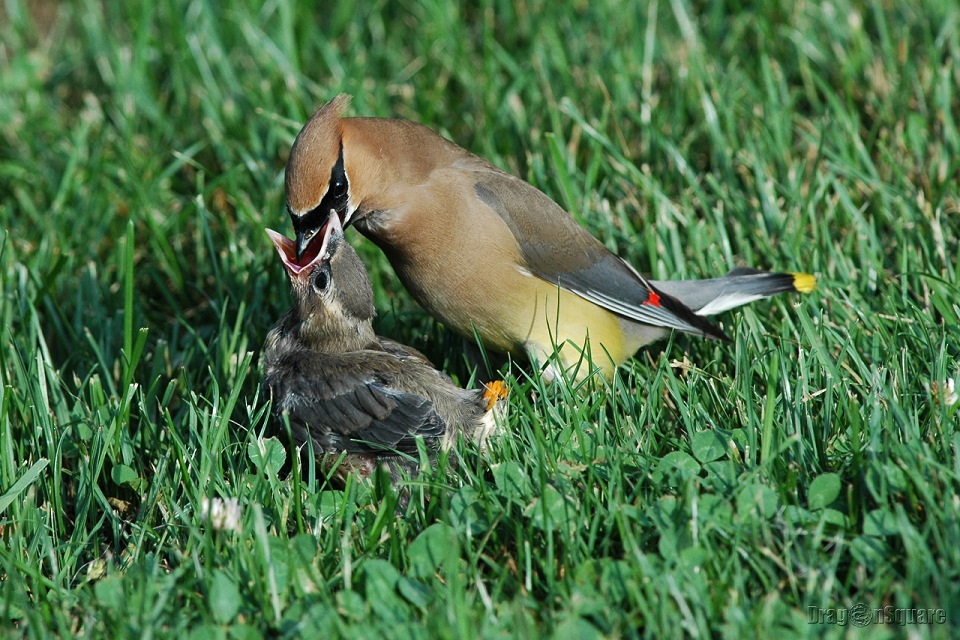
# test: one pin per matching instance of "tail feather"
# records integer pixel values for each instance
(741, 286)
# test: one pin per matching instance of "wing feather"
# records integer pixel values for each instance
(563, 253)
(346, 402)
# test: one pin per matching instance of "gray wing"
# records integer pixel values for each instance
(565, 254)
(347, 403)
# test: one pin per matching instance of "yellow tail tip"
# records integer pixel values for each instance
(494, 392)
(804, 282)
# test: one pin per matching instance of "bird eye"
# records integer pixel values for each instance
(321, 278)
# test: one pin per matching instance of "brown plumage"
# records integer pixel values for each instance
(484, 251)
(349, 391)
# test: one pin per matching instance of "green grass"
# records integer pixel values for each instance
(712, 490)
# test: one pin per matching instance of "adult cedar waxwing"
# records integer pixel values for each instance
(348, 390)
(484, 251)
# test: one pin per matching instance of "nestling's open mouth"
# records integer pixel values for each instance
(316, 250)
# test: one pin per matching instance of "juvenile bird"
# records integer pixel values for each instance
(346, 389)
(452, 225)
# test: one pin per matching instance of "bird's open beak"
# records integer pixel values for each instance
(299, 265)
(305, 238)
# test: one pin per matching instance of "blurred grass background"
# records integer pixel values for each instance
(713, 490)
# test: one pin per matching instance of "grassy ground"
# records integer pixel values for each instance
(809, 468)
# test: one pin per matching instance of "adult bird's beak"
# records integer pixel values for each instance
(304, 238)
(306, 235)
(300, 263)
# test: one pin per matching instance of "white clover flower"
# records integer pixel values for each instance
(945, 392)
(950, 396)
(223, 515)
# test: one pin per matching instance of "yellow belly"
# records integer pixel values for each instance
(509, 308)
(560, 331)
